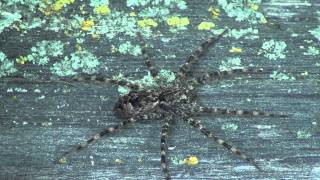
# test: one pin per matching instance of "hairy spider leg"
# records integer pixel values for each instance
(226, 111)
(102, 79)
(146, 58)
(109, 130)
(199, 52)
(164, 146)
(220, 75)
(234, 150)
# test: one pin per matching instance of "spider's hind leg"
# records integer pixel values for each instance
(237, 112)
(106, 131)
(164, 146)
(199, 52)
(234, 150)
(220, 75)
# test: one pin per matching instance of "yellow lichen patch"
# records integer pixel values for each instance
(113, 49)
(55, 7)
(118, 161)
(67, 33)
(46, 11)
(305, 74)
(78, 47)
(59, 4)
(102, 10)
(21, 59)
(235, 50)
(206, 26)
(263, 20)
(215, 12)
(147, 23)
(177, 21)
(87, 25)
(140, 159)
(63, 160)
(133, 14)
(95, 36)
(254, 7)
(191, 161)
(82, 9)
(14, 97)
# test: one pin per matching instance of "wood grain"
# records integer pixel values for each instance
(35, 131)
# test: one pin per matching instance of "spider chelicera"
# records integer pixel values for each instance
(177, 101)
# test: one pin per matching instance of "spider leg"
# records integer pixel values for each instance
(226, 111)
(154, 72)
(185, 68)
(216, 74)
(234, 150)
(109, 130)
(102, 79)
(164, 146)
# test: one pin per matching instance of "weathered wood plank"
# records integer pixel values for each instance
(37, 126)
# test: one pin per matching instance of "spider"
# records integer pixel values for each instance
(166, 104)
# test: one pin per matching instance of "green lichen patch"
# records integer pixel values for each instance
(176, 160)
(181, 4)
(312, 51)
(123, 90)
(83, 61)
(6, 66)
(243, 11)
(43, 50)
(303, 134)
(229, 127)
(231, 63)
(165, 78)
(7, 18)
(281, 76)
(273, 50)
(249, 33)
(158, 9)
(316, 32)
(97, 3)
(116, 23)
(17, 89)
(128, 48)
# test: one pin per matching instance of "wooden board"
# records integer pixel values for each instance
(38, 125)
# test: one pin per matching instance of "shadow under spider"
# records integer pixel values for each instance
(169, 103)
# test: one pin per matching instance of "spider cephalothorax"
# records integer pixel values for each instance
(173, 102)
(136, 102)
(146, 101)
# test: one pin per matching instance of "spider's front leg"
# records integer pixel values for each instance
(98, 78)
(164, 146)
(199, 52)
(101, 79)
(234, 150)
(225, 111)
(146, 58)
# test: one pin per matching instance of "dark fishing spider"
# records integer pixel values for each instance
(168, 103)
